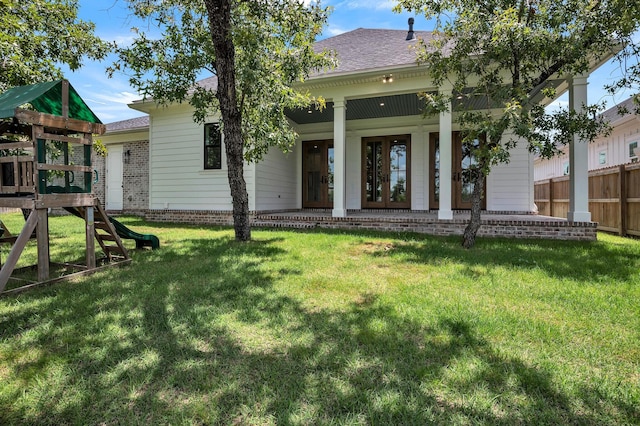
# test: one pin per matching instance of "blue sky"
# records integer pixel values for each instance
(108, 97)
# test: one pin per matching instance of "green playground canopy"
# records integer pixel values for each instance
(46, 98)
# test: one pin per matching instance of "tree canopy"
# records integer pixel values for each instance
(258, 50)
(273, 50)
(38, 36)
(507, 53)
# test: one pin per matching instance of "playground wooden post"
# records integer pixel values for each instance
(16, 250)
(42, 236)
(90, 236)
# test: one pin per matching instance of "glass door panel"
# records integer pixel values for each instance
(386, 172)
(317, 172)
(398, 172)
(313, 161)
(467, 160)
(330, 174)
(462, 160)
(434, 155)
(373, 172)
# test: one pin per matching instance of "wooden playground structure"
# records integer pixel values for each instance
(37, 173)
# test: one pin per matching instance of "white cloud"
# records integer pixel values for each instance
(333, 30)
(119, 98)
(112, 105)
(367, 4)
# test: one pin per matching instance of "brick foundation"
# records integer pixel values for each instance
(509, 226)
(192, 217)
(560, 230)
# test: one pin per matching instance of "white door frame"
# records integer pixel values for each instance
(114, 193)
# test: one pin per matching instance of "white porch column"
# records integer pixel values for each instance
(339, 156)
(578, 158)
(445, 212)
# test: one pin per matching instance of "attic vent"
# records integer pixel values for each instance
(410, 34)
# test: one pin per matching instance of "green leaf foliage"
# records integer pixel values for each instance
(502, 57)
(506, 53)
(274, 52)
(39, 35)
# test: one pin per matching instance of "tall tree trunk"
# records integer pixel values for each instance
(470, 232)
(219, 14)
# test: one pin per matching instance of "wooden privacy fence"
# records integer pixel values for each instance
(614, 198)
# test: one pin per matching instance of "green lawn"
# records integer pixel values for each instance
(327, 328)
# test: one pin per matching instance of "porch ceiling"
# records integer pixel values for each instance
(360, 109)
(408, 104)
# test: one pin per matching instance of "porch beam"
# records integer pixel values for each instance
(339, 152)
(445, 212)
(578, 158)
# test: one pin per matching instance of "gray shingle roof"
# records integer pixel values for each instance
(612, 113)
(361, 50)
(356, 51)
(371, 49)
(130, 124)
(209, 82)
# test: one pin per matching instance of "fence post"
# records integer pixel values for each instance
(622, 188)
(551, 197)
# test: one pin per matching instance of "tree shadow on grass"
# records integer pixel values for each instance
(221, 344)
(579, 261)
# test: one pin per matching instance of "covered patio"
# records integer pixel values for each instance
(499, 224)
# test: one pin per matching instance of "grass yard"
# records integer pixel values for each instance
(327, 328)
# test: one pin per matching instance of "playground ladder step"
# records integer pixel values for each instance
(101, 222)
(103, 231)
(114, 249)
(102, 225)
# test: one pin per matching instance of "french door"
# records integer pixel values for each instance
(462, 159)
(317, 172)
(386, 172)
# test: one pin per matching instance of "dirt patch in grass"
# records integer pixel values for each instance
(372, 247)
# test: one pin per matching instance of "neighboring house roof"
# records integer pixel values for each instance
(613, 114)
(138, 123)
(209, 83)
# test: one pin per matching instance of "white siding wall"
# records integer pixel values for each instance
(178, 180)
(547, 169)
(276, 184)
(616, 147)
(420, 169)
(510, 186)
(177, 177)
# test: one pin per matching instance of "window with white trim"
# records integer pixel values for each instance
(212, 146)
(602, 158)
